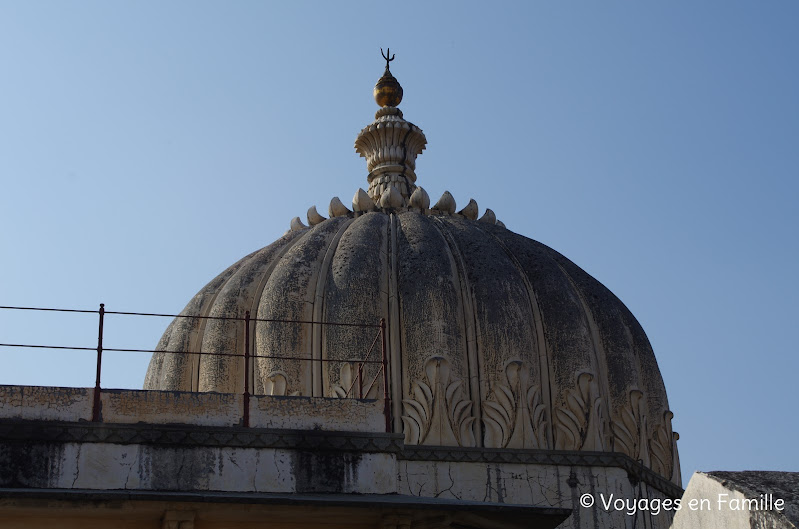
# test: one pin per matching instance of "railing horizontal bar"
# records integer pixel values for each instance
(234, 318)
(201, 353)
(48, 347)
(354, 361)
(173, 315)
(52, 310)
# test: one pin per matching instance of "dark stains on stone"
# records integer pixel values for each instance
(572, 481)
(177, 469)
(30, 465)
(324, 471)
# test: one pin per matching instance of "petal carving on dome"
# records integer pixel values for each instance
(276, 383)
(514, 415)
(439, 414)
(500, 224)
(420, 199)
(660, 448)
(627, 431)
(297, 225)
(446, 203)
(314, 217)
(362, 202)
(391, 198)
(348, 384)
(489, 216)
(470, 211)
(337, 209)
(573, 420)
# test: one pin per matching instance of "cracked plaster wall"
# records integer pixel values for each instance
(525, 484)
(106, 466)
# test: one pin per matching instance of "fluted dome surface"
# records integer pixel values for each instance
(494, 339)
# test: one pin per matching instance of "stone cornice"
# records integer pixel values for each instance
(189, 435)
(544, 457)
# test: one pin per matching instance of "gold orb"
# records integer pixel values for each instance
(388, 92)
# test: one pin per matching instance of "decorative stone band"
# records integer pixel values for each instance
(634, 470)
(21, 431)
(192, 435)
(392, 201)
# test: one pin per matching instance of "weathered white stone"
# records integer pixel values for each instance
(337, 209)
(171, 407)
(532, 484)
(420, 199)
(196, 408)
(446, 203)
(470, 211)
(314, 413)
(390, 145)
(391, 198)
(362, 202)
(46, 403)
(110, 466)
(739, 500)
(489, 217)
(314, 217)
(297, 225)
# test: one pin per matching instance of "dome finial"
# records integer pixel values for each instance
(385, 56)
(388, 92)
(390, 144)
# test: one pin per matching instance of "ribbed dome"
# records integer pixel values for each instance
(546, 356)
(493, 340)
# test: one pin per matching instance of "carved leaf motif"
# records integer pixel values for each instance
(349, 373)
(573, 419)
(277, 384)
(627, 431)
(661, 447)
(439, 413)
(539, 418)
(513, 414)
(601, 441)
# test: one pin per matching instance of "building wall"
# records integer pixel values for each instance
(193, 447)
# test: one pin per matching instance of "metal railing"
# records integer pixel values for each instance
(247, 356)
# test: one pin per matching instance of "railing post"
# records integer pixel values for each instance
(386, 394)
(246, 414)
(96, 401)
(360, 380)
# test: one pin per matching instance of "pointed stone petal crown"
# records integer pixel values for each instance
(446, 203)
(420, 199)
(390, 145)
(362, 202)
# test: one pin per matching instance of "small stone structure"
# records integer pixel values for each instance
(519, 386)
(740, 500)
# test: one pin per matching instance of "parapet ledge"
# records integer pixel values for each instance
(123, 406)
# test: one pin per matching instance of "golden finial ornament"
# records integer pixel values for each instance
(388, 92)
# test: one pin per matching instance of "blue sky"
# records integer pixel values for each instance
(146, 146)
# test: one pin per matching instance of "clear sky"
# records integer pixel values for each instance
(146, 146)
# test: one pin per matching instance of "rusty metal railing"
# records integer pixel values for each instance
(249, 323)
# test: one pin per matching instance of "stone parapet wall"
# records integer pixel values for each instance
(193, 443)
(201, 409)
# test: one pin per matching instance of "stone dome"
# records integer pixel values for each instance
(493, 339)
